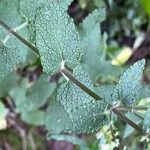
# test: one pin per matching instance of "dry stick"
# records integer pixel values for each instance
(97, 97)
(27, 43)
(73, 79)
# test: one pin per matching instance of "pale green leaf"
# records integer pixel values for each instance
(18, 94)
(129, 87)
(8, 83)
(28, 8)
(39, 93)
(34, 117)
(30, 99)
(94, 47)
(9, 13)
(56, 119)
(105, 92)
(56, 37)
(94, 44)
(10, 58)
(85, 114)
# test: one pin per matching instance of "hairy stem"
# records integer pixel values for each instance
(27, 43)
(65, 72)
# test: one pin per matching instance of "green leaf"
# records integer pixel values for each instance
(105, 92)
(34, 117)
(85, 114)
(28, 9)
(129, 87)
(94, 44)
(94, 47)
(146, 5)
(56, 119)
(18, 94)
(31, 99)
(39, 93)
(10, 58)
(8, 83)
(128, 129)
(73, 139)
(9, 13)
(56, 37)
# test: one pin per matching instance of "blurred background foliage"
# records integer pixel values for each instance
(127, 25)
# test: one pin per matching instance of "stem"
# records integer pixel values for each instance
(15, 29)
(27, 43)
(79, 84)
(138, 108)
(97, 97)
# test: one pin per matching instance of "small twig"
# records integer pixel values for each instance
(27, 43)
